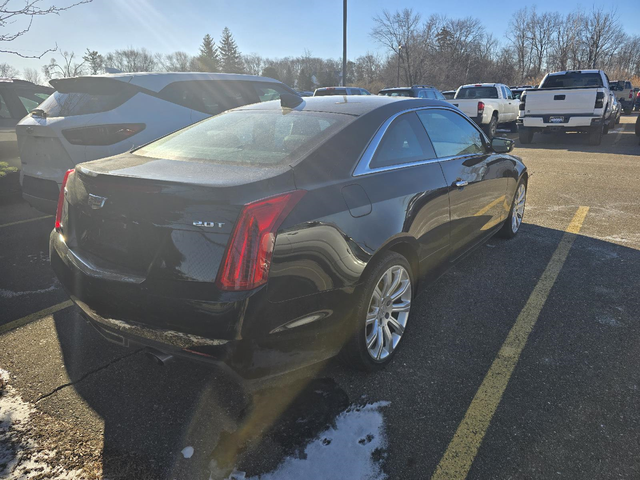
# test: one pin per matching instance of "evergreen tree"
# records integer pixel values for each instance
(209, 59)
(288, 76)
(94, 60)
(230, 59)
(304, 80)
(271, 73)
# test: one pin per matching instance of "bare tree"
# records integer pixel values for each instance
(175, 62)
(20, 16)
(131, 60)
(566, 39)
(541, 29)
(67, 68)
(603, 35)
(520, 41)
(253, 63)
(7, 71)
(32, 75)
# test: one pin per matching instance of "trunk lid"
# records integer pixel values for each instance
(162, 219)
(560, 101)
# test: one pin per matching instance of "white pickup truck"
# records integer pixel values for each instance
(489, 105)
(573, 101)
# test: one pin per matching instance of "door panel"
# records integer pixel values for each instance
(475, 177)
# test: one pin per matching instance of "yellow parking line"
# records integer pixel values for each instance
(489, 207)
(34, 316)
(462, 450)
(25, 221)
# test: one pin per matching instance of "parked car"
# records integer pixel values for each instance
(17, 99)
(624, 92)
(616, 108)
(636, 104)
(418, 91)
(489, 104)
(99, 116)
(304, 93)
(340, 91)
(449, 94)
(573, 101)
(280, 234)
(518, 91)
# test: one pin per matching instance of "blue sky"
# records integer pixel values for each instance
(272, 29)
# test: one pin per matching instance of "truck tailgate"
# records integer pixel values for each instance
(562, 101)
(468, 105)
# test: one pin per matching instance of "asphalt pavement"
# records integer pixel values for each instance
(521, 362)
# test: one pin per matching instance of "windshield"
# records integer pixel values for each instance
(477, 92)
(572, 80)
(249, 137)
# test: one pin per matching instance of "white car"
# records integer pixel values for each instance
(489, 105)
(87, 118)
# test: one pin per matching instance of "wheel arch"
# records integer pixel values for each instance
(405, 245)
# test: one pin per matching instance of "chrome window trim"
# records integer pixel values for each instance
(363, 165)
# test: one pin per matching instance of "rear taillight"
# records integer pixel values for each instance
(523, 100)
(246, 263)
(599, 100)
(61, 200)
(480, 108)
(630, 94)
(102, 134)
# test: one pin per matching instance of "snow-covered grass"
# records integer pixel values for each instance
(350, 450)
(20, 456)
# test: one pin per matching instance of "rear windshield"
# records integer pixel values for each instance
(396, 93)
(477, 92)
(249, 137)
(572, 79)
(85, 96)
(330, 91)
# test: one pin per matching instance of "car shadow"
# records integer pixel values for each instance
(151, 414)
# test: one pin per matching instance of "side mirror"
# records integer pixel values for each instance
(502, 145)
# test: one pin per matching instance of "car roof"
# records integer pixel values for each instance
(564, 72)
(16, 82)
(481, 85)
(156, 81)
(350, 105)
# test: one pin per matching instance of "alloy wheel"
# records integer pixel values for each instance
(388, 312)
(518, 208)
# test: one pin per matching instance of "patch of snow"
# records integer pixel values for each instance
(187, 452)
(19, 453)
(12, 294)
(608, 320)
(348, 450)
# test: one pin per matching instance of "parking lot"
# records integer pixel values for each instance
(522, 361)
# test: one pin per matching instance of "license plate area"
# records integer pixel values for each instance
(556, 119)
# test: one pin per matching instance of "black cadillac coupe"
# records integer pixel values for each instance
(280, 234)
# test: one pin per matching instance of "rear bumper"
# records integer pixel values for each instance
(570, 123)
(227, 333)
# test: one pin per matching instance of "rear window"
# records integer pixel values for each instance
(396, 93)
(573, 80)
(330, 91)
(85, 96)
(477, 92)
(249, 137)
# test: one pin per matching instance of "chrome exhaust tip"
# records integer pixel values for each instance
(159, 357)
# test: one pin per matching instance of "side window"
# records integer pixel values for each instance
(509, 94)
(30, 99)
(451, 134)
(422, 94)
(354, 91)
(210, 97)
(431, 95)
(267, 92)
(404, 141)
(4, 110)
(439, 95)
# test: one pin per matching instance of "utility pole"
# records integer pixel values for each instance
(398, 80)
(344, 43)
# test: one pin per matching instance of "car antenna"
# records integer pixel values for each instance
(289, 100)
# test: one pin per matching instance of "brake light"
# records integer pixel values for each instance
(599, 100)
(102, 134)
(61, 200)
(480, 108)
(523, 101)
(630, 94)
(248, 257)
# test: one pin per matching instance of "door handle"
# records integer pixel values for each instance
(461, 183)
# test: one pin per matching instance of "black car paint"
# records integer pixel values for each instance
(162, 292)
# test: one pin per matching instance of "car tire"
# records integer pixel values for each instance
(525, 135)
(513, 127)
(491, 127)
(605, 129)
(377, 328)
(595, 135)
(512, 224)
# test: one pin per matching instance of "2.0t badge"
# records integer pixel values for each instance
(208, 224)
(96, 202)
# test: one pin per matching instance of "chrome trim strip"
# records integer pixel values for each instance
(362, 167)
